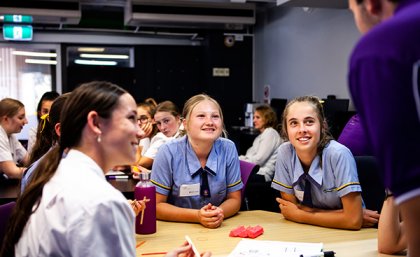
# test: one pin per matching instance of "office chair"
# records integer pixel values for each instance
(278, 104)
(247, 168)
(335, 110)
(373, 190)
(5, 212)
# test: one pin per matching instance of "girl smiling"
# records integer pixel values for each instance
(197, 176)
(317, 176)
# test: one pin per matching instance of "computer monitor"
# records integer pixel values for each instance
(278, 104)
(336, 113)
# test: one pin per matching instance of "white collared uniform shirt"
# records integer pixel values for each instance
(10, 148)
(80, 214)
(264, 152)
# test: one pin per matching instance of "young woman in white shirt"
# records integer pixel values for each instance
(263, 152)
(13, 156)
(69, 209)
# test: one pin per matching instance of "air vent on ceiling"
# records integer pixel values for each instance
(189, 15)
(44, 12)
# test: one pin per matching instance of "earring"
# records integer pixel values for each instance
(98, 139)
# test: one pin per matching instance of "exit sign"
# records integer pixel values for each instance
(17, 32)
(17, 18)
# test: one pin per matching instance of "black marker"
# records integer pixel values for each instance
(320, 254)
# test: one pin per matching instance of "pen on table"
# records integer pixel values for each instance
(196, 253)
(117, 177)
(140, 244)
(320, 254)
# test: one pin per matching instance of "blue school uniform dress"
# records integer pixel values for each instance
(336, 178)
(177, 173)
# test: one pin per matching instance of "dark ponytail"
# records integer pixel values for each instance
(46, 135)
(30, 197)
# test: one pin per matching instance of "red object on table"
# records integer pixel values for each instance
(237, 232)
(251, 232)
(254, 232)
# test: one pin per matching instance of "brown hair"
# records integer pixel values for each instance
(149, 105)
(325, 137)
(268, 114)
(167, 106)
(102, 97)
(10, 107)
(46, 135)
(47, 96)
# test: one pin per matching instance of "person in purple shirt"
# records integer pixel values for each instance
(383, 78)
(354, 137)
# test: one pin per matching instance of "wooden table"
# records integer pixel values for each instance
(169, 235)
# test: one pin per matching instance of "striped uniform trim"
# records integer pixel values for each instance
(234, 184)
(281, 184)
(346, 185)
(160, 185)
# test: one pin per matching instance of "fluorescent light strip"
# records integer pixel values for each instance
(34, 54)
(92, 62)
(90, 49)
(105, 56)
(37, 61)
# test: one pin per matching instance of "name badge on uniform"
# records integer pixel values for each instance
(299, 194)
(189, 190)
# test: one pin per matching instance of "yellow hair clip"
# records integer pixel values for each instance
(44, 119)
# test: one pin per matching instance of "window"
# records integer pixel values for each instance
(26, 73)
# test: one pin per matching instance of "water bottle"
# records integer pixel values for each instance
(145, 190)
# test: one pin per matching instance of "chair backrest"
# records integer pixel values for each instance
(5, 212)
(278, 104)
(373, 190)
(247, 168)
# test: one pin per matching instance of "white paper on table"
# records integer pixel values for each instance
(114, 173)
(260, 248)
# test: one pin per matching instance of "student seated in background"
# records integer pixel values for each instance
(168, 121)
(47, 137)
(391, 235)
(44, 106)
(12, 153)
(78, 211)
(316, 175)
(197, 177)
(264, 153)
(145, 111)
